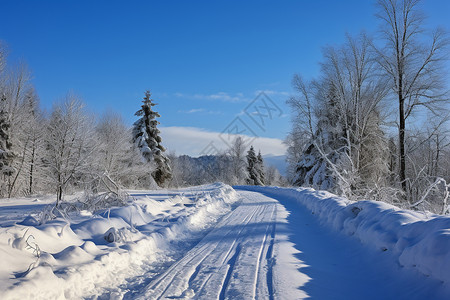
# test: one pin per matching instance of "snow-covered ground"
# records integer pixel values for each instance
(93, 254)
(212, 242)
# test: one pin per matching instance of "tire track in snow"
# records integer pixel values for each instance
(216, 280)
(251, 268)
(212, 259)
(270, 261)
(231, 264)
(168, 284)
(236, 249)
(217, 258)
(263, 257)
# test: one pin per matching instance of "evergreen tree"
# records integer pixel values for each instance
(252, 168)
(260, 168)
(146, 138)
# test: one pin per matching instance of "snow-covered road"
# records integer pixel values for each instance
(271, 248)
(234, 261)
(211, 242)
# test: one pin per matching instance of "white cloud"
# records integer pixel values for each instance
(200, 110)
(192, 111)
(220, 96)
(195, 141)
(272, 92)
(231, 98)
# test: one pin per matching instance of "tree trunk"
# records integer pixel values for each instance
(401, 137)
(31, 171)
(436, 163)
(59, 191)
(59, 195)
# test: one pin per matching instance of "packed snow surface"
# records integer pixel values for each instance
(416, 239)
(214, 242)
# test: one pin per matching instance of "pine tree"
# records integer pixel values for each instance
(146, 138)
(260, 168)
(252, 168)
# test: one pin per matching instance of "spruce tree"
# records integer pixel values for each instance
(260, 168)
(252, 168)
(146, 138)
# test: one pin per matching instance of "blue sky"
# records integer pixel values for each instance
(204, 61)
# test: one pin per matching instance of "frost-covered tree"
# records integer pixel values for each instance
(15, 84)
(36, 150)
(260, 167)
(6, 154)
(29, 145)
(147, 139)
(428, 168)
(2, 60)
(178, 170)
(70, 145)
(236, 153)
(20, 109)
(340, 113)
(114, 145)
(415, 67)
(253, 168)
(295, 142)
(119, 164)
(273, 177)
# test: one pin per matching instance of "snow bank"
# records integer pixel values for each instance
(90, 254)
(415, 239)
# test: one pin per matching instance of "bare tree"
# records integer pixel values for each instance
(273, 177)
(15, 84)
(340, 114)
(6, 154)
(415, 69)
(29, 125)
(237, 155)
(36, 148)
(427, 167)
(114, 145)
(69, 144)
(2, 69)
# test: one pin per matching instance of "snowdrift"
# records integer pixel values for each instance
(417, 240)
(90, 254)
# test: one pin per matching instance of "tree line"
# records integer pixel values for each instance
(69, 149)
(65, 150)
(238, 165)
(374, 124)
